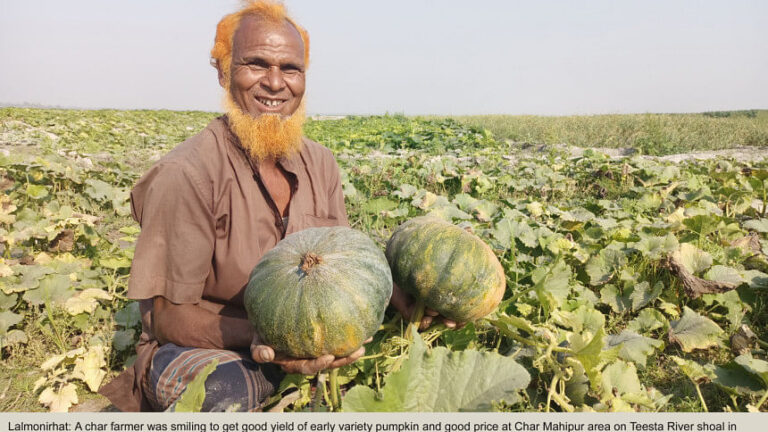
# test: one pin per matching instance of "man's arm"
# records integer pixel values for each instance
(192, 325)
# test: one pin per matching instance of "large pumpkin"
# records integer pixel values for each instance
(449, 269)
(319, 291)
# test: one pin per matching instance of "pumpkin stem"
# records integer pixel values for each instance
(333, 382)
(319, 390)
(310, 260)
(416, 316)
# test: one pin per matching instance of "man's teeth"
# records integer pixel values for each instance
(270, 102)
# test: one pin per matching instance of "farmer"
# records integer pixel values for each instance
(212, 207)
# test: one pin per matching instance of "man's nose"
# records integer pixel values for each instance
(274, 79)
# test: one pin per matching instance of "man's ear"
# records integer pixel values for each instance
(222, 79)
(220, 72)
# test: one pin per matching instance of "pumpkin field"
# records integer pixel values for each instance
(634, 282)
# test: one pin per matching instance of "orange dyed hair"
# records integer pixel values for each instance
(269, 10)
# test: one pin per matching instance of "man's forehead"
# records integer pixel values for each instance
(254, 29)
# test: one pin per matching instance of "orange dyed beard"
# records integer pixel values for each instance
(268, 136)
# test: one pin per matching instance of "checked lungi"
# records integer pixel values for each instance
(237, 384)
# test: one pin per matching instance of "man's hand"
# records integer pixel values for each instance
(404, 303)
(265, 354)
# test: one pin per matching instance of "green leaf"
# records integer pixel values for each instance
(695, 371)
(611, 296)
(30, 278)
(7, 301)
(642, 294)
(115, 263)
(756, 279)
(620, 378)
(37, 191)
(647, 321)
(406, 191)
(448, 213)
(442, 380)
(55, 288)
(634, 347)
(129, 315)
(551, 284)
(693, 331)
(656, 248)
(191, 400)
(734, 379)
(722, 273)
(99, 190)
(460, 339)
(379, 205)
(759, 225)
(8, 319)
(506, 230)
(582, 318)
(694, 260)
(590, 353)
(602, 266)
(754, 366)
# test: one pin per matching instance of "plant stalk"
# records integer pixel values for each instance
(762, 401)
(701, 398)
(317, 400)
(416, 316)
(335, 391)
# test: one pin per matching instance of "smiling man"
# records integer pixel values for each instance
(211, 208)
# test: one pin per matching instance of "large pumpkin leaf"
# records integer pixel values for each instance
(694, 259)
(86, 301)
(620, 378)
(59, 401)
(582, 318)
(655, 247)
(693, 331)
(611, 296)
(634, 347)
(602, 266)
(756, 279)
(589, 351)
(128, 316)
(754, 366)
(647, 321)
(8, 319)
(642, 294)
(89, 367)
(734, 379)
(696, 372)
(551, 284)
(759, 225)
(55, 288)
(722, 273)
(191, 400)
(441, 380)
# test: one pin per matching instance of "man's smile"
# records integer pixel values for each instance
(270, 104)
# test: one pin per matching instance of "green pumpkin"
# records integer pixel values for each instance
(319, 291)
(451, 270)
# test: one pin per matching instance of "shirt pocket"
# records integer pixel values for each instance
(312, 221)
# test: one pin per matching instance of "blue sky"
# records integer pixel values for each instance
(412, 57)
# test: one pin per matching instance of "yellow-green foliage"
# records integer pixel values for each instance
(656, 134)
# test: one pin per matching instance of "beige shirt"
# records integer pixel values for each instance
(206, 221)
